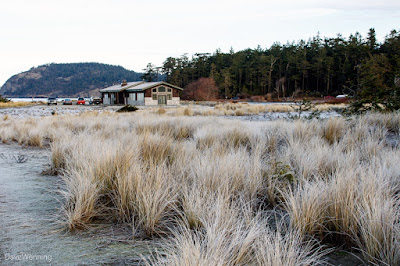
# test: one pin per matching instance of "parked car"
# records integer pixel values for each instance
(67, 102)
(97, 101)
(80, 101)
(51, 100)
(89, 101)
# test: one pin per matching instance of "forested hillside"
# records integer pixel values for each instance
(320, 66)
(66, 80)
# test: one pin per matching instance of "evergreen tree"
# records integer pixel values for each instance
(318, 67)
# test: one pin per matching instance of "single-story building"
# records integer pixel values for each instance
(142, 93)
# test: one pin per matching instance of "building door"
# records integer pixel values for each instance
(121, 98)
(162, 99)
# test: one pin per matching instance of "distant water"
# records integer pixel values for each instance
(28, 99)
(268, 103)
(36, 99)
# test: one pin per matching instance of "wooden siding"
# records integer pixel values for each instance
(175, 93)
(147, 93)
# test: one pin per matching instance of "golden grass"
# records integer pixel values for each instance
(161, 111)
(334, 129)
(15, 104)
(187, 111)
(238, 109)
(206, 184)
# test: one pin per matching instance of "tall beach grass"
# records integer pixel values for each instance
(207, 186)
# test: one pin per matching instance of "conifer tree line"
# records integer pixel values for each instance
(317, 67)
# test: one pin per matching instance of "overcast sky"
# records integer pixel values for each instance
(134, 33)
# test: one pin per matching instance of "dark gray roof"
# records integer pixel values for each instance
(137, 86)
(119, 87)
(148, 85)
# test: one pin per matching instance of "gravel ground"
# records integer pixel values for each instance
(44, 110)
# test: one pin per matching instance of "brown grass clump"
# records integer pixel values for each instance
(329, 107)
(154, 149)
(380, 231)
(174, 129)
(83, 194)
(187, 111)
(161, 111)
(306, 208)
(298, 251)
(153, 213)
(334, 129)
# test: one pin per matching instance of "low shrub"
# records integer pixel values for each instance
(128, 108)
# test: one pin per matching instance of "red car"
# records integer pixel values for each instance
(81, 101)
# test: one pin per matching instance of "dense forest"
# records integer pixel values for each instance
(74, 79)
(317, 67)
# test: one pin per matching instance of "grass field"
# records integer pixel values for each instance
(241, 109)
(15, 104)
(219, 192)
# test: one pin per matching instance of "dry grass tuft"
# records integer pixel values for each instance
(297, 250)
(334, 129)
(380, 231)
(188, 111)
(161, 111)
(155, 149)
(83, 196)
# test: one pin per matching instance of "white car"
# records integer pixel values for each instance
(89, 101)
(51, 100)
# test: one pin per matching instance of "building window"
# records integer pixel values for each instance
(154, 90)
(169, 90)
(132, 96)
(140, 97)
(154, 96)
(169, 97)
(161, 89)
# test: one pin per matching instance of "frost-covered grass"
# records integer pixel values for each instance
(208, 186)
